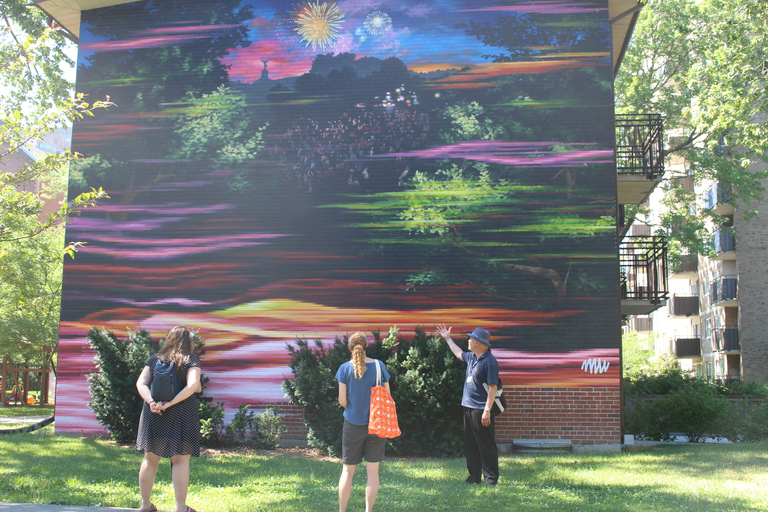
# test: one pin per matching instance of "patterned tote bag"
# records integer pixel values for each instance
(382, 420)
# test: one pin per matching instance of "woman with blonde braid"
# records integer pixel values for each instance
(356, 378)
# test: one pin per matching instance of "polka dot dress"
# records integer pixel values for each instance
(177, 430)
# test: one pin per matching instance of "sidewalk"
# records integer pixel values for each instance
(23, 419)
(34, 507)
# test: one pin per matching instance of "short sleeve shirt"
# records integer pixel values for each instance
(484, 370)
(359, 390)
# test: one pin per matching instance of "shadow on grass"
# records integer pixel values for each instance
(47, 469)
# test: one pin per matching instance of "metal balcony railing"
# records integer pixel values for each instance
(688, 347)
(727, 339)
(723, 289)
(723, 241)
(719, 194)
(643, 264)
(640, 145)
(688, 263)
(641, 323)
(684, 305)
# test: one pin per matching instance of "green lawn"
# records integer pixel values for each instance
(42, 468)
(8, 411)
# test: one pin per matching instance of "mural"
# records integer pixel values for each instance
(281, 170)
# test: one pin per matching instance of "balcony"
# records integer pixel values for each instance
(688, 348)
(641, 323)
(724, 291)
(726, 339)
(686, 268)
(643, 279)
(724, 244)
(684, 306)
(639, 156)
(718, 199)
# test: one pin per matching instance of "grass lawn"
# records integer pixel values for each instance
(8, 411)
(42, 468)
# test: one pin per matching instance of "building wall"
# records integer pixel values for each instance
(751, 247)
(399, 168)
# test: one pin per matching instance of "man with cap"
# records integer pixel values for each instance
(480, 447)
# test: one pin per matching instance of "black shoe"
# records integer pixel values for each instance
(470, 481)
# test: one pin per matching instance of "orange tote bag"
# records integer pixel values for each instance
(382, 420)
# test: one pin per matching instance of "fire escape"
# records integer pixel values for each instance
(642, 258)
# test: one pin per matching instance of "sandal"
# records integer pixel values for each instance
(189, 509)
(152, 508)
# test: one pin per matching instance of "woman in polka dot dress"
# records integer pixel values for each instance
(170, 429)
(356, 378)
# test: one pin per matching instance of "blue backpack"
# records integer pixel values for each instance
(165, 383)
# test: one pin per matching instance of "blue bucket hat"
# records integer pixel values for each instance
(481, 335)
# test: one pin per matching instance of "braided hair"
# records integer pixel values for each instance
(357, 343)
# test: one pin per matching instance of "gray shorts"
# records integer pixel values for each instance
(356, 442)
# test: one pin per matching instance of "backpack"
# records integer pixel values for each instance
(165, 383)
(500, 403)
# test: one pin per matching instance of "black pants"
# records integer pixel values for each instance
(480, 448)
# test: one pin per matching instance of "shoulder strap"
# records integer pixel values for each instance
(378, 372)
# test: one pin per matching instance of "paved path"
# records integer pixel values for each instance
(24, 419)
(33, 507)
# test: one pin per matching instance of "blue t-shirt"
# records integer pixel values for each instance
(479, 371)
(359, 390)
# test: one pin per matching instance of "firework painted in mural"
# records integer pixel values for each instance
(310, 169)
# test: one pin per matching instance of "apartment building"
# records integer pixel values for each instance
(715, 319)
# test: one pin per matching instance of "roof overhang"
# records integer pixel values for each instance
(622, 13)
(67, 12)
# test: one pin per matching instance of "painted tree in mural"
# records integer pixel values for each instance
(479, 205)
(176, 82)
(702, 66)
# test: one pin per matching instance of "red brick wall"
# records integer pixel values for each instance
(293, 421)
(580, 415)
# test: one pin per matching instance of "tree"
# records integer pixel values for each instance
(34, 99)
(702, 65)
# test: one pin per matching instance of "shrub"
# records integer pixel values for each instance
(237, 430)
(119, 363)
(315, 390)
(267, 428)
(426, 384)
(212, 432)
(694, 410)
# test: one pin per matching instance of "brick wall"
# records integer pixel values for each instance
(753, 283)
(580, 415)
(293, 420)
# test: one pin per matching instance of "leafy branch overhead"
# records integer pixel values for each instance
(35, 99)
(702, 66)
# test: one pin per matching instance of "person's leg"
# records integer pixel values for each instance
(345, 485)
(471, 449)
(489, 452)
(372, 485)
(180, 477)
(147, 473)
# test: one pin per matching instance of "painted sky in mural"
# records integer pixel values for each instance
(304, 170)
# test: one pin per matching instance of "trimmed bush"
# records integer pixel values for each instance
(267, 428)
(426, 384)
(114, 398)
(695, 409)
(119, 363)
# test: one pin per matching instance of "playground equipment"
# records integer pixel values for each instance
(14, 389)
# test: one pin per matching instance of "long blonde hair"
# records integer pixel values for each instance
(178, 345)
(357, 343)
